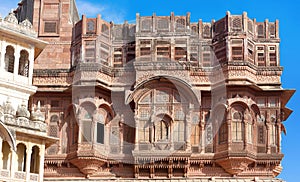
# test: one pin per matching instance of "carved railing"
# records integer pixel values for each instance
(25, 123)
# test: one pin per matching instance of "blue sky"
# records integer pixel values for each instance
(289, 21)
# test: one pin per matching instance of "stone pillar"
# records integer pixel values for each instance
(171, 135)
(42, 158)
(268, 138)
(28, 161)
(17, 59)
(245, 135)
(278, 137)
(202, 137)
(13, 163)
(136, 141)
(84, 24)
(30, 66)
(229, 132)
(188, 131)
(106, 138)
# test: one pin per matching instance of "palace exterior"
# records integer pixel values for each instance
(161, 99)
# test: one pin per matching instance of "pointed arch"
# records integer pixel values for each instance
(9, 59)
(7, 136)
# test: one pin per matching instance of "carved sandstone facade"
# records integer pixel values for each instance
(164, 98)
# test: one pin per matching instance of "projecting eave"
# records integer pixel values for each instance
(287, 112)
(48, 139)
(286, 96)
(30, 39)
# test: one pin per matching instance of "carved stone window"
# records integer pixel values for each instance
(206, 31)
(162, 24)
(237, 127)
(195, 135)
(261, 135)
(6, 153)
(237, 53)
(145, 51)
(261, 59)
(194, 30)
(180, 23)
(236, 24)
(178, 131)
(91, 26)
(21, 156)
(35, 160)
(146, 25)
(223, 133)
(50, 27)
(9, 59)
(250, 26)
(273, 59)
(161, 131)
(105, 29)
(272, 30)
(162, 96)
(51, 15)
(24, 64)
(144, 131)
(260, 31)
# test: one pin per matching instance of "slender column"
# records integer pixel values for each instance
(202, 137)
(42, 158)
(245, 135)
(121, 130)
(30, 66)
(28, 161)
(106, 138)
(171, 136)
(17, 59)
(229, 132)
(136, 143)
(268, 138)
(187, 131)
(278, 137)
(13, 163)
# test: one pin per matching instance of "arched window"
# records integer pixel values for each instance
(9, 59)
(260, 31)
(206, 31)
(53, 131)
(237, 127)
(21, 157)
(223, 132)
(101, 117)
(86, 116)
(35, 160)
(146, 25)
(179, 131)
(161, 131)
(6, 154)
(180, 23)
(248, 119)
(23, 63)
(105, 29)
(195, 135)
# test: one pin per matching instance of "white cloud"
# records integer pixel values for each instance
(108, 13)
